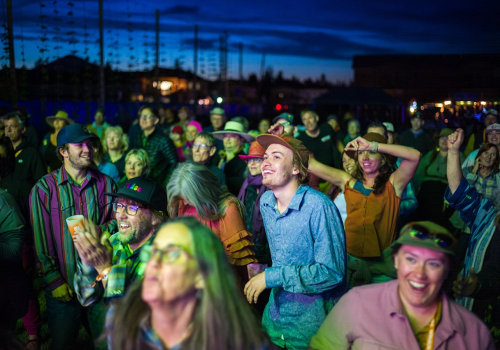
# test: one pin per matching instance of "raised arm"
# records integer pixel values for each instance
(410, 158)
(328, 173)
(453, 169)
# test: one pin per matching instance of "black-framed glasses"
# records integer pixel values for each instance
(441, 240)
(168, 255)
(130, 209)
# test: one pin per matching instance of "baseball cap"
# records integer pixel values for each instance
(426, 234)
(491, 111)
(493, 127)
(289, 142)
(144, 191)
(388, 126)
(445, 132)
(73, 133)
(217, 110)
(287, 116)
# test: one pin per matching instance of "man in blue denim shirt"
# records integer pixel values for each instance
(307, 242)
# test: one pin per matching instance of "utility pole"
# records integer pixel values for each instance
(240, 49)
(12, 62)
(195, 64)
(101, 66)
(262, 66)
(157, 56)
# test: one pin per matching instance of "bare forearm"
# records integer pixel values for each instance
(330, 174)
(406, 153)
(453, 170)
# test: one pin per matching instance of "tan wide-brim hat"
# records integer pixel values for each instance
(62, 115)
(233, 127)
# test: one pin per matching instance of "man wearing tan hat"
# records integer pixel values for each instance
(307, 242)
(49, 141)
(234, 137)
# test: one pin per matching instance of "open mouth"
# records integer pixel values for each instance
(418, 286)
(124, 226)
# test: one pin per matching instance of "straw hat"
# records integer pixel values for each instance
(61, 115)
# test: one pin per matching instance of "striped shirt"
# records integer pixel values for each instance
(54, 198)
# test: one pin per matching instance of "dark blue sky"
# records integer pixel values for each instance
(301, 38)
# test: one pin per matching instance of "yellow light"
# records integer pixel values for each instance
(165, 85)
(439, 105)
(412, 110)
(446, 103)
(483, 103)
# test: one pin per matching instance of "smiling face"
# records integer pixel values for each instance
(421, 273)
(310, 121)
(253, 165)
(79, 156)
(134, 167)
(277, 167)
(133, 229)
(369, 162)
(488, 158)
(175, 276)
(348, 163)
(493, 137)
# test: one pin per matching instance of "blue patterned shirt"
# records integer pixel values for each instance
(308, 250)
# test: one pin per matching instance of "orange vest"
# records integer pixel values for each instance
(370, 226)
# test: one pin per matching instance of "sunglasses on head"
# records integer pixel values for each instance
(440, 239)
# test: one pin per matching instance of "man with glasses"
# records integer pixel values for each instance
(204, 150)
(74, 189)
(109, 264)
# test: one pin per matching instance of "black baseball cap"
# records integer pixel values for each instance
(144, 191)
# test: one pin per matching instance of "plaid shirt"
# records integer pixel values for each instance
(485, 186)
(127, 267)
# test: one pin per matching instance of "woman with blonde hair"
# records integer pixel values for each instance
(115, 147)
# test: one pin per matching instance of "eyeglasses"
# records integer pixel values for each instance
(129, 209)
(256, 160)
(148, 116)
(200, 145)
(441, 240)
(168, 255)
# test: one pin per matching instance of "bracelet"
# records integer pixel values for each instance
(102, 276)
(375, 146)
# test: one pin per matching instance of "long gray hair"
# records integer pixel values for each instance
(196, 184)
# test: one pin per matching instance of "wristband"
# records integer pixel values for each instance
(375, 146)
(102, 276)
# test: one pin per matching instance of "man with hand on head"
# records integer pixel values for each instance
(307, 243)
(74, 189)
(110, 264)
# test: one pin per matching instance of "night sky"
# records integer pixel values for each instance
(301, 38)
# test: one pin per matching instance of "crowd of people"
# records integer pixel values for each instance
(296, 235)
